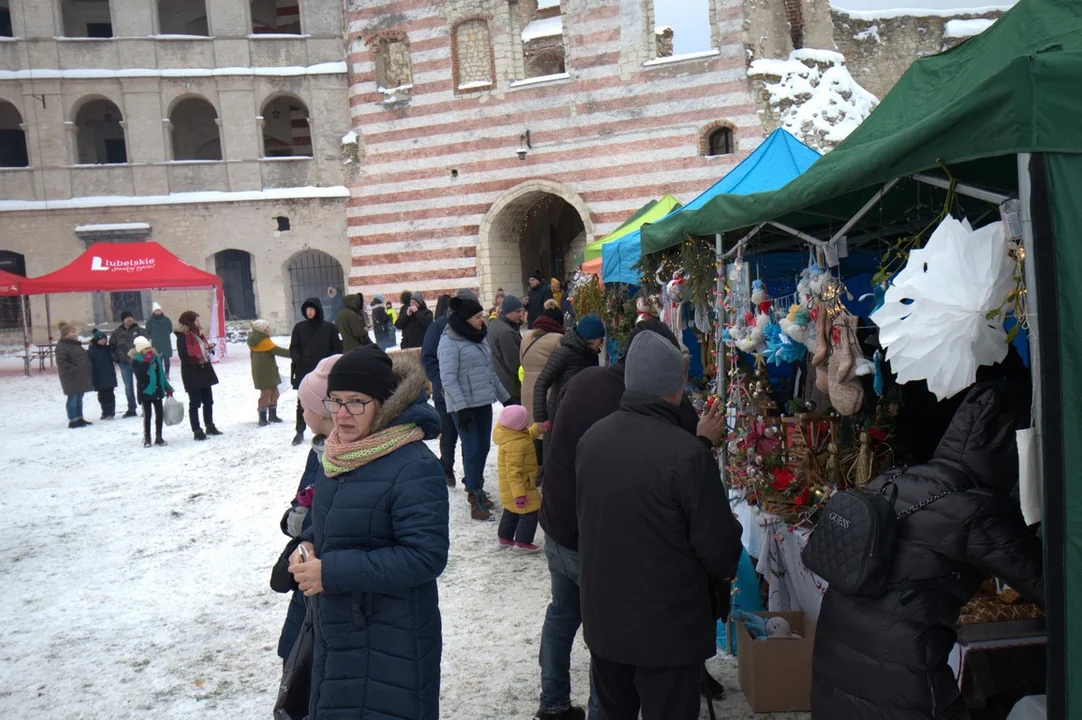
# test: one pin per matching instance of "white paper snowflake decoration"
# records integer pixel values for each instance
(933, 321)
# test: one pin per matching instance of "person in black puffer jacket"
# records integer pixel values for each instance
(313, 339)
(578, 350)
(887, 657)
(197, 373)
(413, 320)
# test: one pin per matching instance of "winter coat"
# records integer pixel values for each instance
(351, 324)
(430, 355)
(567, 361)
(413, 326)
(264, 367)
(535, 302)
(101, 360)
(160, 333)
(195, 372)
(73, 366)
(887, 656)
(312, 340)
(467, 374)
(517, 467)
(537, 348)
(122, 342)
(151, 383)
(297, 608)
(505, 341)
(656, 536)
(381, 532)
(382, 325)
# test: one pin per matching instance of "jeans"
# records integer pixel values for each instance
(520, 527)
(204, 397)
(476, 442)
(562, 621)
(448, 437)
(165, 361)
(107, 400)
(128, 376)
(74, 406)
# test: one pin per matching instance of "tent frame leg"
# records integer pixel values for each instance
(49, 328)
(26, 334)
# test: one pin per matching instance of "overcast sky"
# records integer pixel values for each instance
(691, 29)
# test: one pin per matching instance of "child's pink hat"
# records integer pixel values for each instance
(515, 417)
(314, 387)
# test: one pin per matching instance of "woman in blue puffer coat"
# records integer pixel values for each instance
(378, 541)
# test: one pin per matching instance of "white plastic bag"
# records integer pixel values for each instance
(173, 411)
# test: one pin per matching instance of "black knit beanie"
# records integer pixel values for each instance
(367, 370)
(465, 308)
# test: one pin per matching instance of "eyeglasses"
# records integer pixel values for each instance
(353, 407)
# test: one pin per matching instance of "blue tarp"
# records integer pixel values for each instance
(778, 160)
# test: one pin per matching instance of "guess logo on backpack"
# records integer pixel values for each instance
(839, 520)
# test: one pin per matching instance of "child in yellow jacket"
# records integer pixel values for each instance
(518, 478)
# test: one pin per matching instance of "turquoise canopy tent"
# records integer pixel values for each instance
(776, 161)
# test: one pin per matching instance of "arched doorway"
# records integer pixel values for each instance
(313, 273)
(537, 225)
(234, 267)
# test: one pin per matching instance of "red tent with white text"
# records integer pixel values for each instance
(10, 284)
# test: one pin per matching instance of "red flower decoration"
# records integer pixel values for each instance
(803, 497)
(765, 307)
(815, 313)
(749, 319)
(783, 478)
(877, 434)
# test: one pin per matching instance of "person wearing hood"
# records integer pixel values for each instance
(470, 387)
(537, 347)
(382, 323)
(505, 338)
(378, 541)
(75, 371)
(194, 352)
(121, 343)
(313, 339)
(887, 656)
(351, 322)
(101, 360)
(265, 375)
(578, 350)
(536, 295)
(413, 321)
(431, 361)
(154, 387)
(160, 332)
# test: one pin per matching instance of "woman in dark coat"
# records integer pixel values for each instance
(101, 361)
(578, 350)
(382, 323)
(76, 375)
(413, 320)
(194, 353)
(378, 541)
(887, 657)
(313, 339)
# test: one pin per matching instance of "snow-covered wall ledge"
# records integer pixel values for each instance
(337, 192)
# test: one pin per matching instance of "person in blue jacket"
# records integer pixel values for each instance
(378, 541)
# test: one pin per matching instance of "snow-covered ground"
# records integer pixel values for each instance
(137, 580)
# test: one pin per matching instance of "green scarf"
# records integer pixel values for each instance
(340, 457)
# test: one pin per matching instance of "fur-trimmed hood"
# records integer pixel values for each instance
(179, 328)
(409, 403)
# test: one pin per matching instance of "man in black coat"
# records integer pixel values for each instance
(656, 540)
(313, 339)
(506, 341)
(887, 656)
(413, 320)
(538, 292)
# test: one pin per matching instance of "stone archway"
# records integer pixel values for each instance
(537, 224)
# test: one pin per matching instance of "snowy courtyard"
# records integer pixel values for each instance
(137, 579)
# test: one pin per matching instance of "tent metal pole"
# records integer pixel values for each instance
(719, 359)
(49, 327)
(802, 235)
(962, 189)
(1032, 311)
(742, 241)
(864, 210)
(26, 334)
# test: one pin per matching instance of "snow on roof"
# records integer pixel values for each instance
(333, 68)
(112, 227)
(545, 27)
(966, 28)
(889, 13)
(543, 4)
(211, 196)
(350, 138)
(819, 105)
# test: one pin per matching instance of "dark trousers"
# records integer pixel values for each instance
(476, 442)
(107, 400)
(165, 362)
(157, 407)
(448, 436)
(538, 446)
(518, 526)
(513, 400)
(662, 693)
(127, 374)
(204, 397)
(300, 418)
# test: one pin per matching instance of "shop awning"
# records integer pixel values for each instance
(651, 212)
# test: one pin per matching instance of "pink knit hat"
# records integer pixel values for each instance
(314, 387)
(515, 417)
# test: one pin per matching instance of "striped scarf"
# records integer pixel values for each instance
(340, 457)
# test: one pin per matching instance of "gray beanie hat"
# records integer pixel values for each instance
(654, 366)
(465, 294)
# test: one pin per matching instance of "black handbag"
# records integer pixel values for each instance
(295, 690)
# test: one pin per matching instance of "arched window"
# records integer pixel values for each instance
(195, 131)
(182, 17)
(87, 18)
(99, 134)
(12, 138)
(234, 267)
(276, 17)
(11, 308)
(720, 141)
(285, 128)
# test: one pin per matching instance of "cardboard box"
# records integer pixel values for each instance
(775, 674)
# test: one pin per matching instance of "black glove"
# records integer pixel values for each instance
(465, 416)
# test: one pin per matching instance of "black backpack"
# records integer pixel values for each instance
(852, 545)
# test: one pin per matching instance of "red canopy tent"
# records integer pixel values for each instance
(107, 267)
(10, 284)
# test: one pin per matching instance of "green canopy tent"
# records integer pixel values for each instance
(653, 212)
(1000, 114)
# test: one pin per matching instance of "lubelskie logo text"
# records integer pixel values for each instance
(128, 266)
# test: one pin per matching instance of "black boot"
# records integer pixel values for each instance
(199, 434)
(298, 438)
(160, 442)
(450, 478)
(263, 417)
(211, 430)
(572, 713)
(272, 415)
(146, 441)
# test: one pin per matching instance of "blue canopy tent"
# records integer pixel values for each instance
(776, 161)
